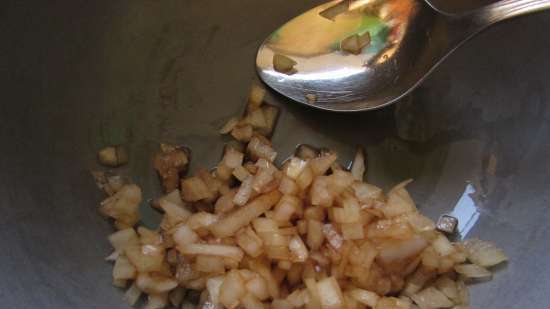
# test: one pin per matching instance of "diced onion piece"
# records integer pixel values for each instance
(295, 167)
(257, 286)
(287, 206)
(241, 173)
(260, 147)
(314, 298)
(225, 202)
(306, 152)
(288, 186)
(123, 238)
(157, 301)
(201, 219)
(463, 293)
(281, 304)
(298, 298)
(265, 272)
(306, 177)
(330, 294)
(120, 283)
(249, 301)
(340, 180)
(146, 258)
(123, 269)
(320, 193)
(366, 193)
(448, 287)
(320, 165)
(255, 118)
(231, 290)
(154, 283)
(256, 96)
(315, 234)
(352, 230)
(355, 43)
(249, 241)
(335, 10)
(132, 295)
(366, 297)
(298, 249)
(349, 213)
(399, 201)
(400, 250)
(123, 206)
(242, 133)
(229, 125)
(473, 271)
(431, 298)
(271, 113)
(218, 250)
(332, 236)
(209, 264)
(228, 225)
(283, 64)
(232, 158)
(420, 223)
(358, 167)
(484, 253)
(244, 192)
(443, 246)
(262, 179)
(213, 285)
(194, 189)
(391, 303)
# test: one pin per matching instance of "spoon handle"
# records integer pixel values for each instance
(465, 26)
(509, 8)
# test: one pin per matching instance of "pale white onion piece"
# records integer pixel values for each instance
(400, 250)
(473, 271)
(184, 235)
(132, 295)
(366, 297)
(218, 250)
(298, 249)
(443, 246)
(157, 301)
(213, 285)
(244, 192)
(484, 253)
(399, 201)
(330, 294)
(431, 298)
(229, 125)
(358, 167)
(295, 167)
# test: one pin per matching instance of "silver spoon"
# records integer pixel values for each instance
(366, 54)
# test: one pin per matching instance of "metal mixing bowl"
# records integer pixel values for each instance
(78, 75)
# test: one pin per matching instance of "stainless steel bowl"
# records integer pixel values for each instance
(78, 75)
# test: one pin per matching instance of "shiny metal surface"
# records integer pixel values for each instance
(77, 75)
(409, 38)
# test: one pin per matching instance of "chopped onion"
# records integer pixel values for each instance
(157, 301)
(484, 253)
(295, 167)
(366, 297)
(123, 269)
(132, 295)
(155, 283)
(231, 290)
(123, 206)
(298, 249)
(448, 287)
(431, 298)
(330, 294)
(194, 189)
(122, 239)
(283, 64)
(255, 118)
(399, 201)
(359, 166)
(242, 133)
(321, 164)
(443, 246)
(217, 250)
(401, 250)
(213, 286)
(472, 271)
(229, 125)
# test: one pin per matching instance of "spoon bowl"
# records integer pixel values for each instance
(407, 39)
